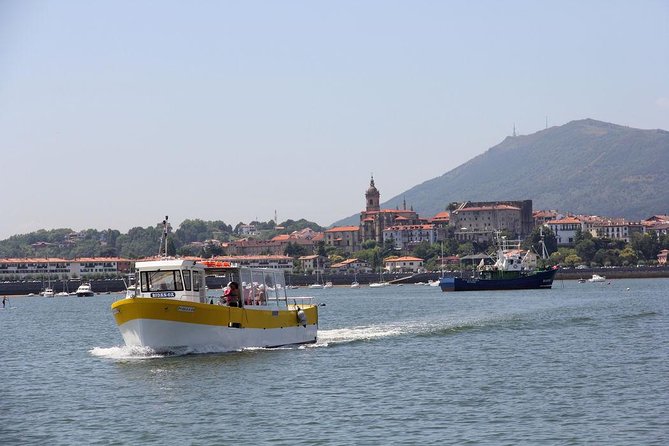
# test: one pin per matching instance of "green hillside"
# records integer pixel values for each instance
(584, 166)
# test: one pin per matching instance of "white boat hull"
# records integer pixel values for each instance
(172, 325)
(167, 335)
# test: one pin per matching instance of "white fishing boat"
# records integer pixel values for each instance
(355, 284)
(597, 278)
(381, 283)
(171, 310)
(47, 291)
(84, 290)
(378, 284)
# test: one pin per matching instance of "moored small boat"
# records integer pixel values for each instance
(597, 278)
(85, 290)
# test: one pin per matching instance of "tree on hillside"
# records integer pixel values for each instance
(647, 246)
(295, 250)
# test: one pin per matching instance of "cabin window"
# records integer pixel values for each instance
(187, 280)
(162, 281)
(196, 281)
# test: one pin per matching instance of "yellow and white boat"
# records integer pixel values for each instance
(170, 309)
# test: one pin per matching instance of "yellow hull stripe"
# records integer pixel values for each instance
(197, 313)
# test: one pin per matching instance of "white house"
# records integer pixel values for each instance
(565, 229)
(404, 264)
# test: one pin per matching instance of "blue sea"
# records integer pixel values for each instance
(406, 365)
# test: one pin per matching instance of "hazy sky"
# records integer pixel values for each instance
(116, 113)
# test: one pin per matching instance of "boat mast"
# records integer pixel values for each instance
(544, 251)
(163, 240)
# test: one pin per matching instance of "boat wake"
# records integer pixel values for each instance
(363, 333)
(131, 353)
(416, 328)
(125, 352)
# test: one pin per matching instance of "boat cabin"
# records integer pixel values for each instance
(185, 280)
(171, 279)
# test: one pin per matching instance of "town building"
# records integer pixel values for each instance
(479, 221)
(306, 238)
(542, 217)
(408, 236)
(249, 229)
(615, 229)
(350, 266)
(313, 262)
(404, 265)
(565, 229)
(344, 237)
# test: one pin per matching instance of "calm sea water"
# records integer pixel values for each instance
(578, 364)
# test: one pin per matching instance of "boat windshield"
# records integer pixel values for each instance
(161, 281)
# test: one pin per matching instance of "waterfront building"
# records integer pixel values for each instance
(403, 264)
(313, 262)
(350, 266)
(57, 268)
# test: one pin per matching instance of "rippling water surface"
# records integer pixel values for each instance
(578, 364)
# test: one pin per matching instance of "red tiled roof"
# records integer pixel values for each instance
(404, 259)
(565, 221)
(445, 215)
(344, 229)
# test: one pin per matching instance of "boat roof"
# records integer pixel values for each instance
(168, 263)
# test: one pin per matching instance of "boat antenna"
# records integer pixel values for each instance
(163, 240)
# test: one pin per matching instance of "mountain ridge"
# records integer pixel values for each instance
(585, 166)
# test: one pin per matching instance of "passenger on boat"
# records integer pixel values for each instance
(232, 295)
(261, 298)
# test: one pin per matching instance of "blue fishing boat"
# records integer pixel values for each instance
(514, 269)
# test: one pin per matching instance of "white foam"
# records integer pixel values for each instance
(125, 352)
(342, 335)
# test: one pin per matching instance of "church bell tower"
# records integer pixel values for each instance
(373, 197)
